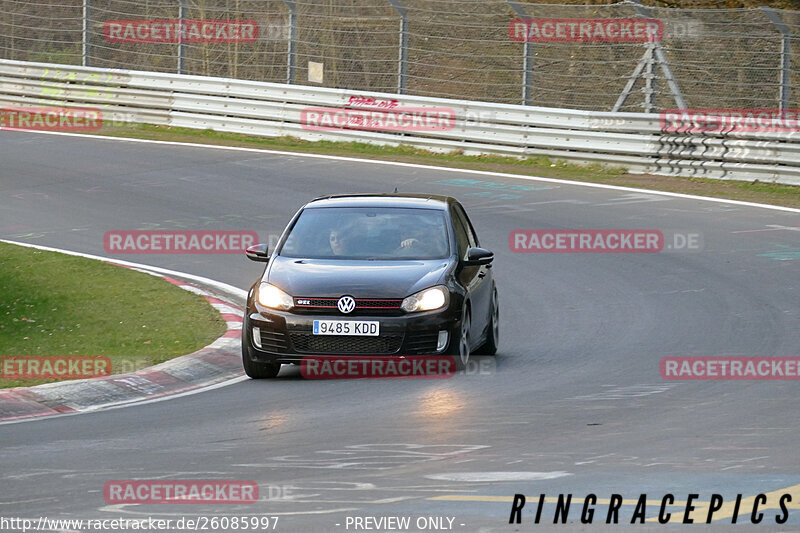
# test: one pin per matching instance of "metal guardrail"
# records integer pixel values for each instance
(706, 56)
(632, 140)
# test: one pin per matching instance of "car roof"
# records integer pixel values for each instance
(419, 201)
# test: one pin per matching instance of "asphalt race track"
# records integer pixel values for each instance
(573, 403)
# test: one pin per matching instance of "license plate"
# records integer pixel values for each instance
(369, 328)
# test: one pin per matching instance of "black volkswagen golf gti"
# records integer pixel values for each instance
(371, 274)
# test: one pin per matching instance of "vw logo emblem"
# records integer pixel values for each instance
(346, 304)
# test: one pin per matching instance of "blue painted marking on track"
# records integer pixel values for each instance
(492, 195)
(782, 253)
(491, 185)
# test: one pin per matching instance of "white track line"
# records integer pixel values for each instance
(131, 403)
(426, 167)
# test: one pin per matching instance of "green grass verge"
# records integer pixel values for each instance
(760, 192)
(57, 304)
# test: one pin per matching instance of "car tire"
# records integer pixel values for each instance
(460, 343)
(493, 336)
(254, 369)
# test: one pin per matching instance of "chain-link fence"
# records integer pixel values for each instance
(733, 58)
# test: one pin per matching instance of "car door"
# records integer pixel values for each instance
(476, 279)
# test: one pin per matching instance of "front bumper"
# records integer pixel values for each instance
(286, 337)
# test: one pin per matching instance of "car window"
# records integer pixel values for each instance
(462, 215)
(368, 233)
(462, 236)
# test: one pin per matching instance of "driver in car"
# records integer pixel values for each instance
(339, 242)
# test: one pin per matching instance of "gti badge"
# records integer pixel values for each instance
(346, 304)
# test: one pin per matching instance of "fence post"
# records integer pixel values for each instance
(786, 47)
(85, 48)
(650, 81)
(527, 57)
(291, 47)
(402, 59)
(181, 44)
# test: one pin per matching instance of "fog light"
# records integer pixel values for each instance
(442, 342)
(257, 337)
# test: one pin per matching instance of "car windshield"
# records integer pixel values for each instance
(375, 233)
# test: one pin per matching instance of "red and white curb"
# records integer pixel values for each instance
(212, 366)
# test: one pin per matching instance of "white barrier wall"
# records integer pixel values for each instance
(632, 140)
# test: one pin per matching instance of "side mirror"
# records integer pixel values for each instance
(258, 252)
(479, 256)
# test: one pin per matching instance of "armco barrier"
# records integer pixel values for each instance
(632, 140)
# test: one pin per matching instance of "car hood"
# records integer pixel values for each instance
(324, 278)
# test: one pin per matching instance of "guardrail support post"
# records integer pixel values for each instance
(291, 47)
(181, 44)
(527, 57)
(661, 57)
(402, 60)
(637, 72)
(786, 47)
(85, 49)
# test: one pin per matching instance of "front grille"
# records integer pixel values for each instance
(364, 306)
(422, 342)
(316, 302)
(377, 304)
(345, 344)
(273, 341)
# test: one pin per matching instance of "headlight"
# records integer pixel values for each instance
(274, 298)
(426, 300)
